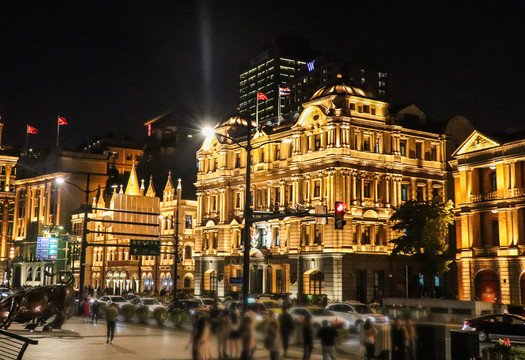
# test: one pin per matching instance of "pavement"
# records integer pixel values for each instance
(79, 341)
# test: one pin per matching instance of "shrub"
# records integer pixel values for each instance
(143, 313)
(160, 315)
(127, 311)
(179, 316)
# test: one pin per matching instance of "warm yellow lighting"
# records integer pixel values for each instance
(287, 141)
(208, 131)
(60, 180)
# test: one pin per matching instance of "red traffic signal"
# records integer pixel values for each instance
(339, 215)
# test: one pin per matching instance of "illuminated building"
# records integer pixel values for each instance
(489, 181)
(345, 147)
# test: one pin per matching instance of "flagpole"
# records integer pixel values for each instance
(27, 135)
(278, 105)
(257, 110)
(58, 131)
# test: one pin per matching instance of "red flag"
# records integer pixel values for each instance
(62, 120)
(261, 96)
(31, 130)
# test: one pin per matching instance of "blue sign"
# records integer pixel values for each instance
(236, 281)
(46, 248)
(311, 65)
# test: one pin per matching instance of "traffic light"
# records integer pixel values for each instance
(339, 215)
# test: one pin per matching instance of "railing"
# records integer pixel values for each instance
(484, 196)
(516, 192)
(13, 346)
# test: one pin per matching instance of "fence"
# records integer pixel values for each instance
(13, 346)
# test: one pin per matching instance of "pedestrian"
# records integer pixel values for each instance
(327, 334)
(95, 308)
(202, 340)
(84, 307)
(287, 326)
(270, 336)
(308, 337)
(247, 339)
(235, 333)
(398, 340)
(111, 319)
(410, 340)
(222, 335)
(369, 338)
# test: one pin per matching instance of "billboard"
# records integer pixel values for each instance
(46, 248)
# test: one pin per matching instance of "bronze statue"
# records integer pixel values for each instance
(40, 304)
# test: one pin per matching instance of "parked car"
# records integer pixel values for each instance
(272, 305)
(355, 314)
(113, 299)
(151, 303)
(207, 302)
(496, 326)
(318, 315)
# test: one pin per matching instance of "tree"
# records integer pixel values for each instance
(424, 226)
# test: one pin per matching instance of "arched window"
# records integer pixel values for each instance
(493, 181)
(187, 282)
(29, 274)
(38, 274)
(313, 282)
(210, 280)
(164, 282)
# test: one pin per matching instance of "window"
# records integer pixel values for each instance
(495, 233)
(419, 193)
(366, 143)
(366, 190)
(277, 240)
(238, 200)
(188, 224)
(237, 160)
(318, 239)
(365, 236)
(366, 109)
(317, 188)
(404, 192)
(433, 152)
(493, 181)
(317, 144)
(377, 146)
(187, 282)
(277, 152)
(306, 234)
(188, 254)
(435, 192)
(129, 157)
(419, 147)
(29, 274)
(403, 147)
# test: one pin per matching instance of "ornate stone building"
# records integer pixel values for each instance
(344, 146)
(489, 181)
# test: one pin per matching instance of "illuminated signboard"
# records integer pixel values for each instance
(46, 248)
(311, 65)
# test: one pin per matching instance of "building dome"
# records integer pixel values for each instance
(339, 88)
(234, 126)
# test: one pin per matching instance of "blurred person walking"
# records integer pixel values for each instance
(287, 326)
(328, 334)
(398, 340)
(84, 308)
(410, 340)
(235, 334)
(308, 337)
(247, 339)
(223, 323)
(111, 322)
(95, 309)
(369, 338)
(271, 336)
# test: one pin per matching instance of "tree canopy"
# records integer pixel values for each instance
(424, 226)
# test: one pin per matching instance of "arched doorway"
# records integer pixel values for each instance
(487, 286)
(522, 287)
(313, 282)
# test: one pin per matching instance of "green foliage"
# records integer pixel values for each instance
(143, 313)
(179, 317)
(160, 315)
(424, 226)
(342, 334)
(503, 352)
(127, 311)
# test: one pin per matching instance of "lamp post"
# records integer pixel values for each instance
(83, 243)
(176, 242)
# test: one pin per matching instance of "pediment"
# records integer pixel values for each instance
(475, 142)
(310, 116)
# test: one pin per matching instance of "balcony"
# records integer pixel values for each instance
(489, 251)
(492, 195)
(114, 263)
(517, 192)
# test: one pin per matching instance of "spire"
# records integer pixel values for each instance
(168, 189)
(142, 187)
(179, 190)
(133, 184)
(151, 189)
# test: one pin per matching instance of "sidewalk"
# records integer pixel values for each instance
(79, 341)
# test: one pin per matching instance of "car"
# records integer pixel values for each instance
(113, 299)
(188, 305)
(4, 292)
(497, 326)
(271, 305)
(207, 302)
(150, 303)
(317, 313)
(355, 314)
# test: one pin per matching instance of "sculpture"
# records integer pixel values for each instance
(40, 304)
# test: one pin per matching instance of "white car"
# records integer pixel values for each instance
(113, 299)
(318, 315)
(207, 302)
(151, 303)
(355, 314)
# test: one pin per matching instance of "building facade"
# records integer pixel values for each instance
(489, 181)
(343, 147)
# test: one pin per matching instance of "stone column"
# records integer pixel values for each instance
(386, 201)
(362, 192)
(354, 188)
(376, 189)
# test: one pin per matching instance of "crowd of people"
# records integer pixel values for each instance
(403, 340)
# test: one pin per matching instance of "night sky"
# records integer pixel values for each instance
(108, 66)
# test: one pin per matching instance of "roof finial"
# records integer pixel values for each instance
(179, 185)
(339, 76)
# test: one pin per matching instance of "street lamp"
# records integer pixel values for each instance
(83, 243)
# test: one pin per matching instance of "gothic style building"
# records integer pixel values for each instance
(489, 181)
(344, 146)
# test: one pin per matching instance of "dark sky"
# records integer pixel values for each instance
(111, 65)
